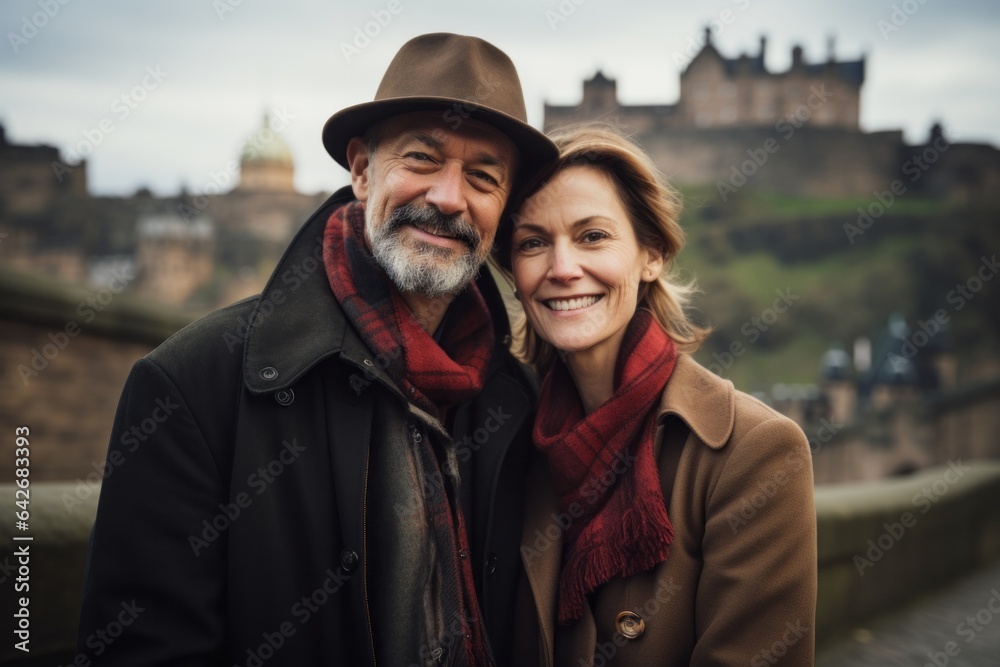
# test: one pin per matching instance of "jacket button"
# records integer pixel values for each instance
(348, 560)
(491, 564)
(269, 372)
(630, 624)
(284, 397)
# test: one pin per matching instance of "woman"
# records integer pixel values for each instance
(671, 521)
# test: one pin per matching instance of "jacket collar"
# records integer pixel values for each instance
(298, 322)
(703, 400)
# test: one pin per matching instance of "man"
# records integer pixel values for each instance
(335, 474)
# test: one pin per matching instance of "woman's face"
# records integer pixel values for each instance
(577, 263)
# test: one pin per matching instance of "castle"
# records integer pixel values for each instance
(738, 124)
(735, 124)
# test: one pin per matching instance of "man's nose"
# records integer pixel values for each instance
(446, 190)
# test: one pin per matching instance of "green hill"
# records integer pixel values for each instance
(761, 254)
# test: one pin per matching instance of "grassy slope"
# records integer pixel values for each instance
(848, 293)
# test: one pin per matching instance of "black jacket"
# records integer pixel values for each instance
(232, 529)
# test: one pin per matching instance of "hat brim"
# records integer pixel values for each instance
(537, 152)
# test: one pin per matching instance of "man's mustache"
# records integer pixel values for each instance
(433, 221)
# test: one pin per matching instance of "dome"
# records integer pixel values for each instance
(266, 162)
(265, 146)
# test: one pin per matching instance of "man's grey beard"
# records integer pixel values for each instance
(418, 269)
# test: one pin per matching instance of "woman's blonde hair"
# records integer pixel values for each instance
(653, 208)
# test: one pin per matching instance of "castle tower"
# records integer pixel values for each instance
(266, 162)
(838, 385)
(893, 376)
(600, 93)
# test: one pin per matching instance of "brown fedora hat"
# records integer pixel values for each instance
(460, 76)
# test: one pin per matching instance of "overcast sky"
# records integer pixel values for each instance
(220, 63)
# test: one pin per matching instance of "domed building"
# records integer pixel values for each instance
(266, 162)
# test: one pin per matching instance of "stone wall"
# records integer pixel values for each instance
(804, 161)
(882, 543)
(65, 353)
(911, 435)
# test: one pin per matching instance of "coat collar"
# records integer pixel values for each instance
(703, 400)
(298, 322)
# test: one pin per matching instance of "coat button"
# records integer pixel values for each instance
(269, 372)
(491, 563)
(348, 560)
(284, 397)
(630, 624)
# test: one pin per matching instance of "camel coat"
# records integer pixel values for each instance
(739, 586)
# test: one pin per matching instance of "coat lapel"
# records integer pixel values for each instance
(703, 400)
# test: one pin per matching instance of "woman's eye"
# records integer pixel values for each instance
(594, 236)
(529, 244)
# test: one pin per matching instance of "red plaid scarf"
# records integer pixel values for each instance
(434, 377)
(603, 467)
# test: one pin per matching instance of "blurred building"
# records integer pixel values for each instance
(255, 220)
(732, 92)
(267, 165)
(894, 408)
(795, 132)
(174, 256)
(195, 250)
(31, 176)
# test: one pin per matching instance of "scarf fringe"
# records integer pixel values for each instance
(626, 551)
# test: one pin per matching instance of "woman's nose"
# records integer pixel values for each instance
(565, 265)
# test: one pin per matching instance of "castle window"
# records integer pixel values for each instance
(728, 114)
(701, 91)
(703, 118)
(729, 90)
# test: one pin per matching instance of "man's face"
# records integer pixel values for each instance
(433, 197)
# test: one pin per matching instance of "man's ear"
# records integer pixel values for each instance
(358, 160)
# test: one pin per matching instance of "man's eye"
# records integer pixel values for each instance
(420, 157)
(483, 176)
